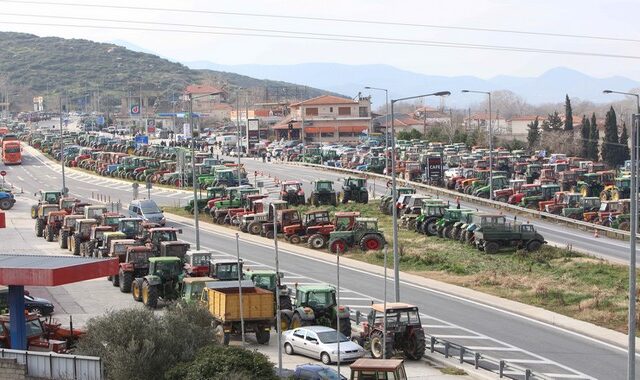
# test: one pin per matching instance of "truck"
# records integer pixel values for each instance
(222, 299)
(492, 238)
(11, 153)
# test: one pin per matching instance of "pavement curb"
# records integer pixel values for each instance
(536, 314)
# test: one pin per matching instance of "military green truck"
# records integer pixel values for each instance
(491, 238)
(480, 220)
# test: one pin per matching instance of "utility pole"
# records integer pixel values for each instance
(64, 185)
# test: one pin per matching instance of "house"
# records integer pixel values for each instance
(402, 123)
(204, 97)
(481, 120)
(327, 118)
(220, 111)
(518, 128)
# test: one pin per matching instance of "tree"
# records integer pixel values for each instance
(410, 135)
(625, 152)
(224, 363)
(554, 122)
(568, 115)
(610, 145)
(594, 138)
(585, 132)
(136, 343)
(533, 135)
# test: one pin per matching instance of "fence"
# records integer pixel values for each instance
(578, 224)
(49, 365)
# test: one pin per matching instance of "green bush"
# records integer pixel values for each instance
(136, 343)
(224, 363)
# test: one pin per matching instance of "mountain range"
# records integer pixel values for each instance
(550, 87)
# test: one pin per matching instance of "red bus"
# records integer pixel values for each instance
(11, 153)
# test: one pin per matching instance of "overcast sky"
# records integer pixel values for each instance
(609, 18)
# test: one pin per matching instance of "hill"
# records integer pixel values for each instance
(35, 65)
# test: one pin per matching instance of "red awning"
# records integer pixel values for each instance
(47, 270)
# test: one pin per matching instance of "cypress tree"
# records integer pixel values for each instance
(594, 138)
(585, 134)
(625, 152)
(533, 135)
(610, 147)
(568, 115)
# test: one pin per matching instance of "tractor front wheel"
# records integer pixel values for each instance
(39, 227)
(533, 245)
(491, 247)
(295, 239)
(377, 344)
(136, 290)
(263, 335)
(339, 245)
(62, 239)
(255, 228)
(317, 241)
(126, 280)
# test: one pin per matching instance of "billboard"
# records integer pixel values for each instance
(434, 167)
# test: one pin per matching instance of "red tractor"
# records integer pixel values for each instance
(502, 195)
(292, 192)
(527, 190)
(316, 227)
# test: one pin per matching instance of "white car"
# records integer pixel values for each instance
(320, 342)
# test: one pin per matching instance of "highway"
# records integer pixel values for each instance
(543, 348)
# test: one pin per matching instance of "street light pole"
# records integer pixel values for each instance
(396, 257)
(490, 140)
(386, 124)
(194, 179)
(633, 229)
(62, 150)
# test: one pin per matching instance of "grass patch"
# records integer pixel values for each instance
(453, 371)
(555, 279)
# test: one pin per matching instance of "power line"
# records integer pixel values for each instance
(339, 38)
(261, 30)
(329, 19)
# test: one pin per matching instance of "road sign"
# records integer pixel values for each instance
(135, 190)
(149, 185)
(135, 109)
(3, 173)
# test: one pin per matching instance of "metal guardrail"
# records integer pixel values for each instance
(49, 365)
(579, 224)
(501, 367)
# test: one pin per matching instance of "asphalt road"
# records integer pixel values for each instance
(612, 249)
(543, 348)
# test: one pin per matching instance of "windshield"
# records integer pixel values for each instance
(227, 271)
(111, 220)
(51, 197)
(12, 149)
(130, 227)
(34, 328)
(319, 298)
(169, 268)
(264, 281)
(150, 208)
(95, 212)
(331, 337)
(196, 289)
(325, 186)
(200, 260)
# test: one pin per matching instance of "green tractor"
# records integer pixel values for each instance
(162, 282)
(237, 197)
(323, 194)
(546, 193)
(590, 185)
(387, 201)
(586, 205)
(430, 213)
(445, 225)
(365, 233)
(212, 193)
(316, 305)
(499, 182)
(45, 197)
(355, 189)
(376, 164)
(312, 156)
(620, 190)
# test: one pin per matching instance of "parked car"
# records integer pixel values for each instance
(316, 372)
(148, 210)
(320, 342)
(32, 304)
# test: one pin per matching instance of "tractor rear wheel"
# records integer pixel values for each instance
(255, 228)
(533, 245)
(371, 242)
(338, 245)
(62, 239)
(269, 234)
(314, 200)
(263, 335)
(149, 295)
(136, 289)
(415, 346)
(49, 234)
(39, 227)
(297, 321)
(126, 279)
(429, 227)
(364, 198)
(115, 280)
(285, 303)
(491, 247)
(448, 232)
(76, 246)
(295, 239)
(317, 241)
(377, 344)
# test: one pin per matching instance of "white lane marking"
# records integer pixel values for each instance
(490, 348)
(562, 376)
(20, 178)
(354, 299)
(527, 361)
(461, 336)
(436, 326)
(562, 366)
